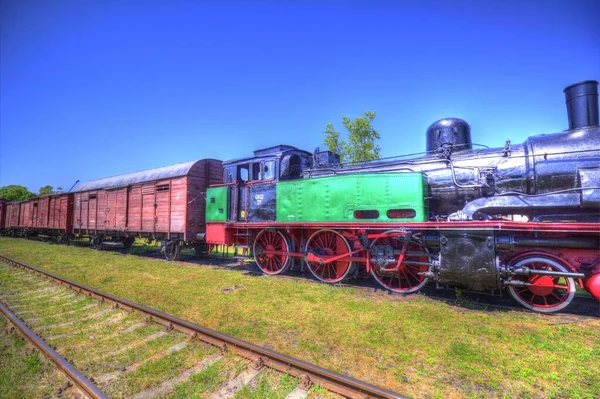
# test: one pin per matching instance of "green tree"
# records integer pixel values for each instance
(332, 140)
(15, 192)
(47, 189)
(361, 144)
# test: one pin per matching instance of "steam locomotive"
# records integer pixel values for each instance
(524, 218)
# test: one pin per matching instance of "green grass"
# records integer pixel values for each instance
(414, 345)
(24, 372)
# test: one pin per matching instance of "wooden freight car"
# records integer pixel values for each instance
(165, 204)
(60, 216)
(45, 217)
(13, 211)
(2, 215)
(20, 218)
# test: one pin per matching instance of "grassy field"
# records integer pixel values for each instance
(24, 372)
(413, 345)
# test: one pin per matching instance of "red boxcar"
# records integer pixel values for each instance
(46, 216)
(41, 211)
(166, 204)
(25, 214)
(2, 215)
(60, 215)
(13, 212)
(18, 218)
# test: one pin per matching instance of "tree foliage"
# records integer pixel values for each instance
(15, 192)
(361, 145)
(47, 189)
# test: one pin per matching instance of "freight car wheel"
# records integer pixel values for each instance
(97, 241)
(269, 252)
(326, 244)
(128, 242)
(546, 294)
(171, 249)
(405, 278)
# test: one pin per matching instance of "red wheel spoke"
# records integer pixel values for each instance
(557, 297)
(402, 279)
(409, 270)
(532, 299)
(320, 242)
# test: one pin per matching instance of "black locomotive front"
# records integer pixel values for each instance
(548, 177)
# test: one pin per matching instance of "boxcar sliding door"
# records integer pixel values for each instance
(148, 208)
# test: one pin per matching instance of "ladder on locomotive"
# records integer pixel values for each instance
(242, 250)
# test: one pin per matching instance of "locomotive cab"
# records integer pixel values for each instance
(251, 181)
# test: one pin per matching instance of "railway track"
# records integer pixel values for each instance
(113, 347)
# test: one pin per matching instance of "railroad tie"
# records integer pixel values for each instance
(132, 328)
(44, 297)
(167, 386)
(37, 291)
(242, 379)
(68, 323)
(83, 330)
(23, 312)
(34, 282)
(137, 343)
(297, 393)
(35, 319)
(77, 300)
(115, 374)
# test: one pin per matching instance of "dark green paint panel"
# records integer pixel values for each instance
(217, 204)
(341, 198)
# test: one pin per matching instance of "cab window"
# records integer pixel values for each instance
(269, 170)
(243, 172)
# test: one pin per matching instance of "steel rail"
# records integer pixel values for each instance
(309, 373)
(72, 373)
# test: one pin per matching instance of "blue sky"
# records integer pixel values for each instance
(94, 88)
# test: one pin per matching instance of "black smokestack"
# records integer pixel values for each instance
(582, 104)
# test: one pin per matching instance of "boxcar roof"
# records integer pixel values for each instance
(165, 172)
